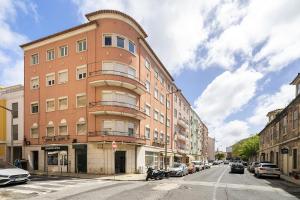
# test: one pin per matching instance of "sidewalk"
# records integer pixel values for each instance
(118, 177)
(290, 179)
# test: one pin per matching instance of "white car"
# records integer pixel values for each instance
(198, 165)
(267, 169)
(11, 174)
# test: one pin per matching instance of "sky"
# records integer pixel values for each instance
(233, 60)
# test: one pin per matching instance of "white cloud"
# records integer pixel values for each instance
(226, 94)
(269, 102)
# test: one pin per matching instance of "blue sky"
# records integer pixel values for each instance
(233, 60)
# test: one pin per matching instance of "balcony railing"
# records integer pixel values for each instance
(117, 73)
(56, 138)
(117, 136)
(113, 133)
(116, 103)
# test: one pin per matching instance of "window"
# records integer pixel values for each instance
(116, 127)
(156, 115)
(162, 97)
(175, 113)
(155, 134)
(156, 73)
(161, 137)
(162, 118)
(81, 128)
(120, 42)
(34, 132)
(147, 110)
(131, 47)
(155, 93)
(147, 64)
(63, 129)
(118, 98)
(107, 40)
(295, 119)
(81, 45)
(50, 79)
(285, 125)
(295, 160)
(35, 59)
(175, 98)
(131, 130)
(62, 76)
(147, 132)
(81, 72)
(63, 51)
(81, 100)
(118, 69)
(15, 110)
(34, 107)
(63, 103)
(50, 131)
(50, 105)
(50, 54)
(15, 132)
(168, 104)
(35, 82)
(168, 122)
(52, 158)
(168, 139)
(147, 86)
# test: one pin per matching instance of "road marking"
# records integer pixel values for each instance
(217, 183)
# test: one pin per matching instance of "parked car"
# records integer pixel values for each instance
(10, 174)
(252, 166)
(215, 162)
(179, 169)
(191, 168)
(245, 163)
(226, 162)
(207, 165)
(267, 169)
(199, 165)
(237, 168)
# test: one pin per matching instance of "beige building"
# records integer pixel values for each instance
(280, 139)
(96, 83)
(211, 148)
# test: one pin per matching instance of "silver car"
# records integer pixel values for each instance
(10, 174)
(267, 169)
(179, 169)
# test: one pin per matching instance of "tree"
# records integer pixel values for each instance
(246, 148)
(219, 156)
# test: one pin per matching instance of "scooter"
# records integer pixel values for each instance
(155, 174)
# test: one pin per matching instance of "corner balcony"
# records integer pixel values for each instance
(181, 137)
(117, 79)
(183, 123)
(117, 136)
(116, 108)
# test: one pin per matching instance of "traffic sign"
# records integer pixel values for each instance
(114, 145)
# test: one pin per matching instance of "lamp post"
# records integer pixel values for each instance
(11, 134)
(166, 127)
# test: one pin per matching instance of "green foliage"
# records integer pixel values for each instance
(246, 148)
(219, 156)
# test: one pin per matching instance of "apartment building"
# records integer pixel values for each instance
(94, 84)
(11, 98)
(196, 136)
(280, 139)
(211, 149)
(204, 133)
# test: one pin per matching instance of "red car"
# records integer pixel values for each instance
(191, 168)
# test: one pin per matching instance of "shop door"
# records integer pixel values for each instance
(285, 163)
(63, 161)
(35, 160)
(120, 162)
(81, 160)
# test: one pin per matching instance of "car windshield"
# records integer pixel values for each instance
(270, 166)
(176, 165)
(197, 162)
(5, 165)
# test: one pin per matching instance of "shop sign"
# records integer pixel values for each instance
(55, 148)
(284, 151)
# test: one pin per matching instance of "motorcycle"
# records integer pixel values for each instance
(155, 174)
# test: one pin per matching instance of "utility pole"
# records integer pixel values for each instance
(166, 127)
(11, 134)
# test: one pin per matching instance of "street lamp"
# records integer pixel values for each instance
(166, 127)
(11, 134)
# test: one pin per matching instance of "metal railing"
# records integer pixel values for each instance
(115, 72)
(114, 133)
(116, 103)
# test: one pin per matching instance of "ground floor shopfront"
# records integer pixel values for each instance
(286, 155)
(96, 158)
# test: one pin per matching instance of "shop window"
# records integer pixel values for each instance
(52, 158)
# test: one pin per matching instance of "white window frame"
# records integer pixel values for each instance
(37, 132)
(148, 89)
(77, 45)
(60, 98)
(81, 123)
(47, 75)
(50, 50)
(161, 118)
(34, 102)
(147, 64)
(156, 112)
(156, 93)
(38, 80)
(103, 39)
(63, 125)
(52, 126)
(78, 95)
(148, 106)
(31, 59)
(134, 46)
(77, 74)
(59, 50)
(47, 100)
(60, 72)
(146, 136)
(124, 39)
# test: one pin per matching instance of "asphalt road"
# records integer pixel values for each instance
(211, 184)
